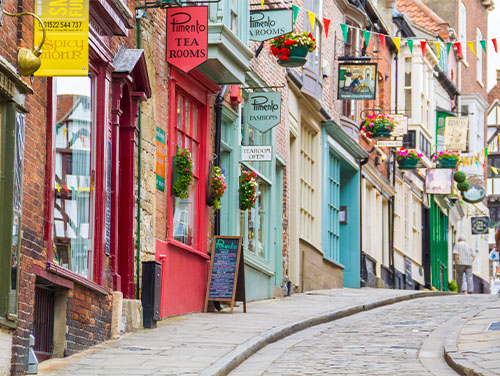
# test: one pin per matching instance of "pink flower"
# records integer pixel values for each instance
(363, 129)
(186, 169)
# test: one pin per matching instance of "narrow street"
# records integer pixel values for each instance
(401, 339)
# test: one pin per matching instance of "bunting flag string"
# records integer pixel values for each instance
(423, 45)
(396, 42)
(381, 37)
(326, 23)
(410, 45)
(312, 19)
(437, 44)
(471, 46)
(366, 35)
(295, 11)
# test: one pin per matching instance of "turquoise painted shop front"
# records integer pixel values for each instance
(341, 233)
(261, 226)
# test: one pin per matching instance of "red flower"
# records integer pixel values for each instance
(311, 36)
(283, 57)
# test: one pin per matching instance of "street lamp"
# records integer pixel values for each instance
(28, 61)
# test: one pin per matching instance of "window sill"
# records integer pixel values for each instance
(178, 244)
(77, 278)
(333, 262)
(10, 323)
(259, 264)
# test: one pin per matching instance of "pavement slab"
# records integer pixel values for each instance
(215, 343)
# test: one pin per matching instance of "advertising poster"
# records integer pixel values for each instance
(187, 37)
(455, 133)
(438, 181)
(66, 47)
(357, 81)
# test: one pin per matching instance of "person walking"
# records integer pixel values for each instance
(464, 258)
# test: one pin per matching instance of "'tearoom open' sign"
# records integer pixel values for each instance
(187, 37)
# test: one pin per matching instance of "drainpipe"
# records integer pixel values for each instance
(362, 162)
(218, 134)
(139, 160)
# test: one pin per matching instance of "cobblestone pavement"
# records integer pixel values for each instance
(197, 343)
(401, 339)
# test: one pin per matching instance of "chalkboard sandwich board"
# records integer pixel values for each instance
(226, 279)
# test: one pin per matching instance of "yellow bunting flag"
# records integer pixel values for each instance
(438, 48)
(312, 19)
(396, 42)
(495, 171)
(262, 3)
(471, 46)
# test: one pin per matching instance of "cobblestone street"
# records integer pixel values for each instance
(402, 339)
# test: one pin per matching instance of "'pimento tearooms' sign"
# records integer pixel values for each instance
(187, 37)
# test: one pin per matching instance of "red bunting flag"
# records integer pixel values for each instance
(326, 22)
(494, 41)
(423, 45)
(382, 40)
(458, 45)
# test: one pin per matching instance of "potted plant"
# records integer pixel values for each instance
(447, 159)
(248, 189)
(182, 173)
(408, 159)
(218, 185)
(291, 49)
(378, 126)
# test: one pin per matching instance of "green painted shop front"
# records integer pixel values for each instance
(438, 247)
(261, 226)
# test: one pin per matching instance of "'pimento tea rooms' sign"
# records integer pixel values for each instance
(264, 110)
(187, 37)
(267, 24)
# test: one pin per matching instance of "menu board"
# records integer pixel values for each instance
(226, 271)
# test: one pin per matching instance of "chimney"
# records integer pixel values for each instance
(443, 31)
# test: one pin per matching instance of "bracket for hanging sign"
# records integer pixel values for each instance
(263, 87)
(390, 144)
(289, 3)
(173, 3)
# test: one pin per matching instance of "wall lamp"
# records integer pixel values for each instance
(28, 61)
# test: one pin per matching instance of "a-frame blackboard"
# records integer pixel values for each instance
(226, 279)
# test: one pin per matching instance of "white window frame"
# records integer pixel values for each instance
(462, 29)
(479, 57)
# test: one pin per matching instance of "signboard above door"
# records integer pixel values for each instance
(187, 37)
(271, 23)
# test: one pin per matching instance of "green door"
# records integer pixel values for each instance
(439, 248)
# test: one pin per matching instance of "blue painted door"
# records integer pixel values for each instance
(333, 208)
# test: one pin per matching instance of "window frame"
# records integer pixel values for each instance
(479, 57)
(462, 32)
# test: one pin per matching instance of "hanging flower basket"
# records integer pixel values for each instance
(218, 185)
(182, 173)
(408, 159)
(291, 49)
(446, 159)
(378, 126)
(248, 189)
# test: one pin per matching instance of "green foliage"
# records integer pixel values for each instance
(218, 185)
(452, 286)
(248, 189)
(459, 176)
(184, 166)
(463, 186)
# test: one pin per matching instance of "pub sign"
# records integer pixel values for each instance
(479, 225)
(187, 37)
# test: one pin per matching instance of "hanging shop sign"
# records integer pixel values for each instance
(160, 159)
(226, 280)
(390, 144)
(187, 37)
(357, 81)
(264, 110)
(256, 153)
(438, 181)
(475, 194)
(455, 133)
(479, 225)
(401, 127)
(66, 47)
(267, 24)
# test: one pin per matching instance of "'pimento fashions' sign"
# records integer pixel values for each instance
(66, 48)
(264, 110)
(187, 37)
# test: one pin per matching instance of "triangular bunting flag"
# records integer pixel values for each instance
(495, 171)
(448, 47)
(326, 22)
(494, 41)
(423, 45)
(471, 46)
(262, 3)
(410, 45)
(382, 41)
(312, 19)
(295, 11)
(438, 48)
(396, 42)
(344, 31)
(483, 44)
(458, 45)
(366, 35)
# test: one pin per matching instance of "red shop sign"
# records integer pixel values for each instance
(187, 37)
